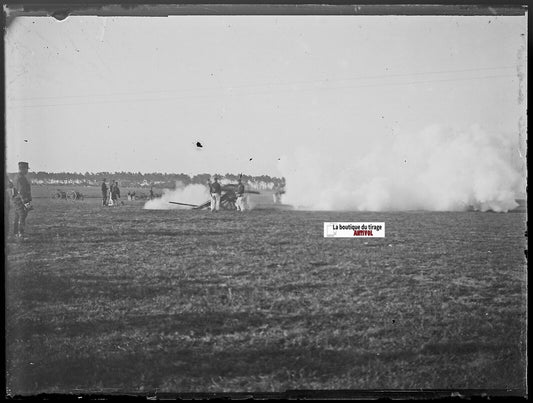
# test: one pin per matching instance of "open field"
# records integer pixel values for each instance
(46, 191)
(102, 300)
(142, 193)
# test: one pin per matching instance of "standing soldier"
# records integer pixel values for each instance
(111, 187)
(104, 193)
(21, 199)
(210, 189)
(216, 192)
(7, 201)
(116, 193)
(240, 196)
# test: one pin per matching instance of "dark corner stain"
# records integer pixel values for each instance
(60, 15)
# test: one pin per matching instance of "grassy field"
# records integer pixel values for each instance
(46, 191)
(103, 300)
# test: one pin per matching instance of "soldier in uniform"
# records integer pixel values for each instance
(110, 200)
(21, 199)
(116, 193)
(7, 202)
(240, 196)
(209, 185)
(216, 193)
(104, 193)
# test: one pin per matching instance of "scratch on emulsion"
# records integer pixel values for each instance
(520, 72)
(104, 27)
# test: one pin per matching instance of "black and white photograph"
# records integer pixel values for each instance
(224, 200)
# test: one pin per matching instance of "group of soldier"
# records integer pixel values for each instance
(19, 194)
(111, 194)
(215, 190)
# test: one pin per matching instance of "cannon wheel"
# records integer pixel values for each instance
(75, 195)
(228, 205)
(228, 199)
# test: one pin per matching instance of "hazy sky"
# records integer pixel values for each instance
(136, 93)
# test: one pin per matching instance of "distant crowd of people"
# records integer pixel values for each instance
(111, 194)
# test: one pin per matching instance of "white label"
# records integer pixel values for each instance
(354, 230)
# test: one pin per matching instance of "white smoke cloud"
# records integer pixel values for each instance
(192, 194)
(437, 169)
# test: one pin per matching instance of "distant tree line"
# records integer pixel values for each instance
(138, 179)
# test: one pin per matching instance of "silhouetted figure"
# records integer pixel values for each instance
(21, 199)
(240, 203)
(104, 192)
(216, 193)
(115, 193)
(7, 203)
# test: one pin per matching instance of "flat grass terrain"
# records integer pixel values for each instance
(46, 191)
(103, 300)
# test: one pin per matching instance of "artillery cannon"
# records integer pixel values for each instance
(228, 198)
(75, 195)
(59, 194)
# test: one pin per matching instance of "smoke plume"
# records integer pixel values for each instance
(437, 169)
(192, 194)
